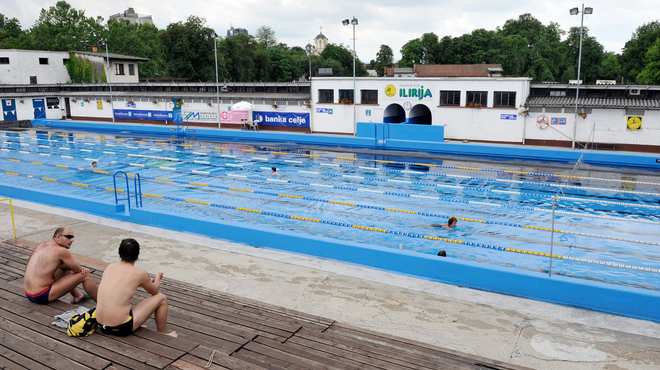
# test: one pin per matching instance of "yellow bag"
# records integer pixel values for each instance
(82, 325)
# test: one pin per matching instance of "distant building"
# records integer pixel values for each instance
(37, 67)
(236, 31)
(320, 41)
(131, 16)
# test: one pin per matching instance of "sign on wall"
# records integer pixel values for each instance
(634, 123)
(510, 117)
(557, 121)
(197, 116)
(282, 119)
(413, 91)
(233, 116)
(155, 115)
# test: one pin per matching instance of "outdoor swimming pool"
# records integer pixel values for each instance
(606, 220)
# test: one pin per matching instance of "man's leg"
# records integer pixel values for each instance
(66, 282)
(156, 303)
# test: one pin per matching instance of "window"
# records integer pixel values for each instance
(119, 69)
(43, 60)
(477, 97)
(52, 103)
(326, 96)
(131, 69)
(505, 99)
(33, 80)
(346, 96)
(65, 61)
(369, 96)
(557, 92)
(450, 98)
(4, 60)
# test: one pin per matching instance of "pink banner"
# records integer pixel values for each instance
(233, 116)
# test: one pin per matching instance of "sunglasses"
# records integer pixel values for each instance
(68, 236)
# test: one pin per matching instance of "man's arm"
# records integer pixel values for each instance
(70, 263)
(151, 286)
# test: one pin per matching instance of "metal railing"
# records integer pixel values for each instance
(11, 211)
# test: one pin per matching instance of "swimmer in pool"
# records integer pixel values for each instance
(273, 172)
(451, 224)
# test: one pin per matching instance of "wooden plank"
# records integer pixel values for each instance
(223, 359)
(183, 365)
(6, 277)
(166, 340)
(423, 349)
(149, 346)
(32, 332)
(380, 353)
(6, 364)
(264, 361)
(284, 356)
(21, 360)
(303, 353)
(37, 353)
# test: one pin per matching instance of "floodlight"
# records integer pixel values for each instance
(345, 22)
(574, 11)
(588, 10)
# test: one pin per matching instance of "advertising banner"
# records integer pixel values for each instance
(233, 116)
(199, 116)
(177, 114)
(282, 119)
(156, 115)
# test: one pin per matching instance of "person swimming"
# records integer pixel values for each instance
(451, 224)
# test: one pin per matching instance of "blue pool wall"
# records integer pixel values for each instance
(595, 296)
(402, 142)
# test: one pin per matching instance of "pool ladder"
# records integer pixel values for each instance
(137, 185)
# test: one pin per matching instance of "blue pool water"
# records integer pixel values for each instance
(605, 216)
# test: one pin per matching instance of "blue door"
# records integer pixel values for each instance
(39, 108)
(9, 110)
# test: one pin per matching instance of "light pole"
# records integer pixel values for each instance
(354, 22)
(309, 55)
(576, 11)
(107, 57)
(217, 87)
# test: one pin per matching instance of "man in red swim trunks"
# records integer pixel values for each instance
(51, 272)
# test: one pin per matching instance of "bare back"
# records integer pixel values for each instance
(44, 261)
(118, 285)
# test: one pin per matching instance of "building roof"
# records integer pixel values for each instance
(565, 101)
(320, 36)
(456, 70)
(112, 56)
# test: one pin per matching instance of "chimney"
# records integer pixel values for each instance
(95, 49)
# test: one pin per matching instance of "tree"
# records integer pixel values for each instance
(611, 68)
(592, 54)
(140, 41)
(266, 37)
(237, 56)
(344, 57)
(634, 52)
(650, 75)
(63, 28)
(188, 49)
(412, 52)
(430, 48)
(384, 59)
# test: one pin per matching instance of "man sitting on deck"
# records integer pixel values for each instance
(118, 286)
(51, 272)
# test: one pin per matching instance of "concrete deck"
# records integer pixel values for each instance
(507, 329)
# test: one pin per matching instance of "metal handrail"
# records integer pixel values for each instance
(128, 189)
(138, 190)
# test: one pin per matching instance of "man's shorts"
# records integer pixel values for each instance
(40, 298)
(121, 330)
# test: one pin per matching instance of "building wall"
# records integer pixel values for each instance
(460, 122)
(24, 108)
(25, 63)
(126, 77)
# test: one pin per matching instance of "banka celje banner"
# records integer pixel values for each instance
(281, 119)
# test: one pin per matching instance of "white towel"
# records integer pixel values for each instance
(62, 320)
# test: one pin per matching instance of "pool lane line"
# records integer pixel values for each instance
(370, 207)
(375, 229)
(432, 184)
(568, 213)
(394, 162)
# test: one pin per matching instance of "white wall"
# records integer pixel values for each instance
(25, 63)
(125, 78)
(81, 108)
(460, 122)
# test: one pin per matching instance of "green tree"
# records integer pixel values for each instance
(650, 75)
(63, 28)
(139, 41)
(611, 68)
(266, 37)
(412, 52)
(237, 57)
(344, 57)
(188, 49)
(634, 51)
(592, 54)
(384, 59)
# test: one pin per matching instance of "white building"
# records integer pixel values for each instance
(474, 108)
(33, 67)
(122, 68)
(131, 16)
(320, 42)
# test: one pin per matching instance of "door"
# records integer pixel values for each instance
(39, 108)
(67, 107)
(9, 109)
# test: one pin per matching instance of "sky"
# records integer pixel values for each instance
(393, 23)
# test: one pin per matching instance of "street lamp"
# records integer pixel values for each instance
(354, 22)
(308, 48)
(107, 57)
(217, 87)
(576, 11)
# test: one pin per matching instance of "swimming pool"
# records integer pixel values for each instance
(607, 220)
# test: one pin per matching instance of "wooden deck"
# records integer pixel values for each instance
(244, 334)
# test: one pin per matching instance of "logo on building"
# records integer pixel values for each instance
(390, 91)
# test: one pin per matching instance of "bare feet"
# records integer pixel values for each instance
(173, 334)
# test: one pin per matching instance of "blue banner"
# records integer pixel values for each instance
(281, 119)
(155, 115)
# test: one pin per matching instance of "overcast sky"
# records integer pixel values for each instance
(297, 22)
